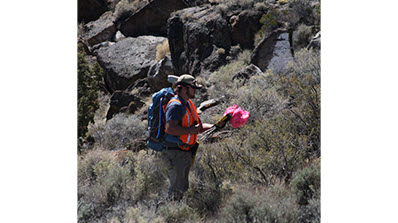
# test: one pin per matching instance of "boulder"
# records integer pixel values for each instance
(90, 10)
(99, 30)
(151, 19)
(95, 48)
(273, 52)
(208, 104)
(244, 26)
(118, 36)
(127, 61)
(247, 72)
(201, 38)
(157, 75)
(140, 88)
(194, 34)
(122, 101)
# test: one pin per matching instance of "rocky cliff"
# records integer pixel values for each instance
(202, 36)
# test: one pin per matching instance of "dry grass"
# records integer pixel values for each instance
(162, 50)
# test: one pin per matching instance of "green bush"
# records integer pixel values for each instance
(270, 21)
(89, 79)
(302, 37)
(304, 10)
(306, 183)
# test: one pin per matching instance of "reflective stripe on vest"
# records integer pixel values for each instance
(189, 119)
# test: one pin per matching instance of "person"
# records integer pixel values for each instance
(182, 127)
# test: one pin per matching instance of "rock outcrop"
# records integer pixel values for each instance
(90, 10)
(273, 52)
(247, 72)
(244, 26)
(122, 101)
(201, 38)
(157, 75)
(151, 19)
(100, 30)
(127, 61)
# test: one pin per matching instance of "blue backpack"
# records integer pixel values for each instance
(156, 120)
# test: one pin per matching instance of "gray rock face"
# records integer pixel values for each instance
(244, 26)
(273, 52)
(281, 55)
(201, 38)
(89, 10)
(127, 61)
(123, 102)
(100, 30)
(247, 72)
(195, 34)
(151, 19)
(157, 75)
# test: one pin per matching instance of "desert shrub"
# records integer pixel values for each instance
(120, 132)
(302, 37)
(220, 84)
(270, 21)
(227, 6)
(276, 204)
(87, 164)
(306, 183)
(264, 150)
(174, 212)
(89, 79)
(150, 177)
(310, 212)
(142, 213)
(102, 183)
(260, 97)
(304, 10)
(257, 153)
(205, 193)
(306, 62)
(300, 84)
(104, 100)
(113, 184)
(240, 206)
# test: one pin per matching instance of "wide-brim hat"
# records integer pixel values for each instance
(187, 79)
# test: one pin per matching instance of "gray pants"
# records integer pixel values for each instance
(179, 162)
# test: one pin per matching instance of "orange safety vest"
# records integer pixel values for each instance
(190, 118)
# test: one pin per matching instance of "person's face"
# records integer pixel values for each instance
(191, 91)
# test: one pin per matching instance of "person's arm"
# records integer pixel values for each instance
(205, 127)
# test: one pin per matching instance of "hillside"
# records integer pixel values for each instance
(263, 56)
